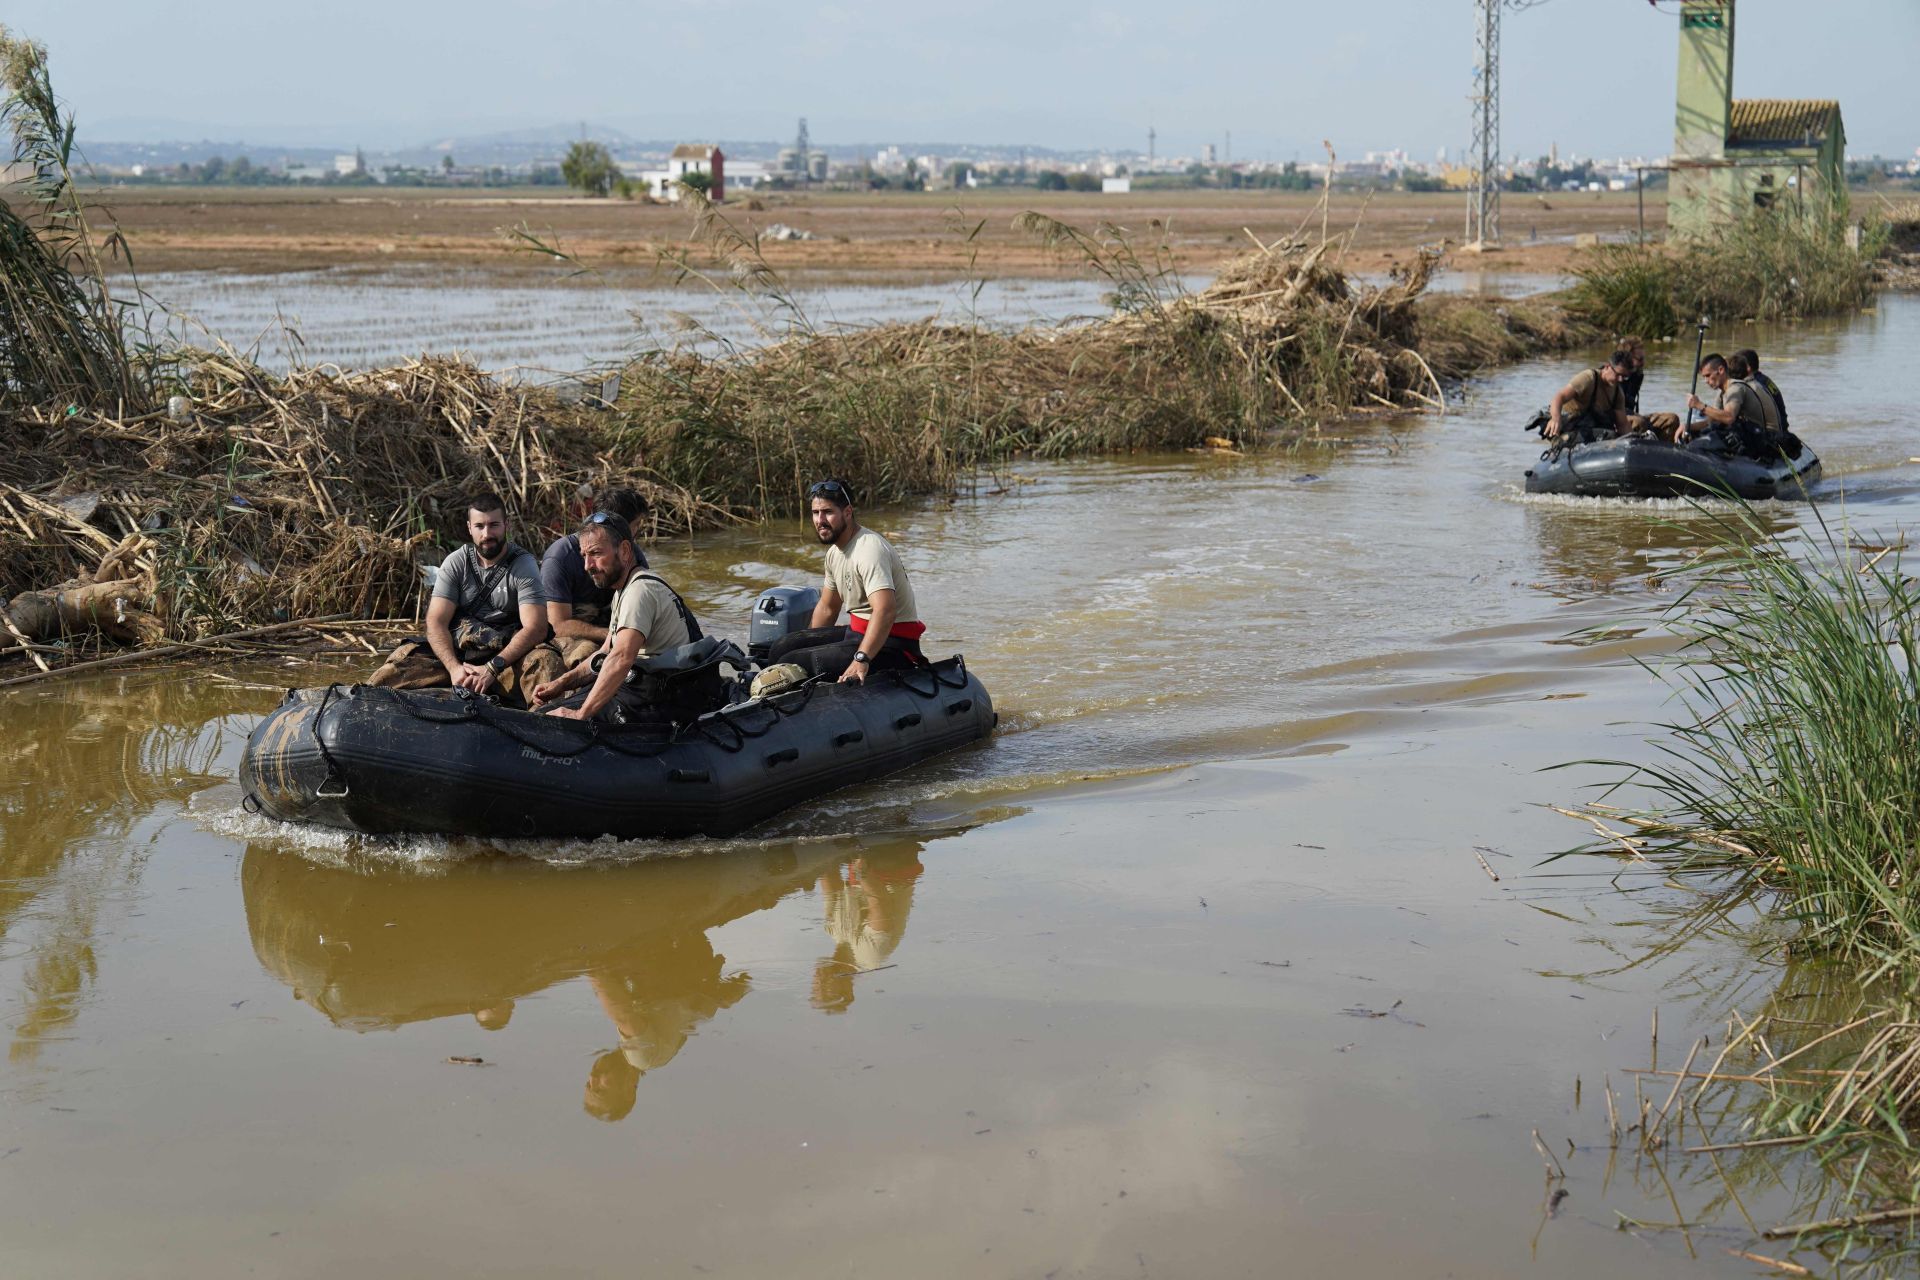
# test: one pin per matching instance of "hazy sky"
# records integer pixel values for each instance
(1369, 74)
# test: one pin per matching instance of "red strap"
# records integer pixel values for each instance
(905, 630)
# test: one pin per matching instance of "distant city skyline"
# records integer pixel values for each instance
(1392, 74)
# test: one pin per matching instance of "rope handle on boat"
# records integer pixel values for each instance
(788, 702)
(594, 731)
(937, 680)
(333, 767)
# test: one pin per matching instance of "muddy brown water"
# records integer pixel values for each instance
(1191, 970)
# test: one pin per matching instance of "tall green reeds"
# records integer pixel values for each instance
(1628, 288)
(1777, 263)
(1797, 763)
(62, 335)
(1792, 779)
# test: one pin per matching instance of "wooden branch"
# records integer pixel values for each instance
(26, 646)
(188, 646)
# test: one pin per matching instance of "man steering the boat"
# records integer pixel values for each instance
(486, 624)
(864, 573)
(647, 618)
(1592, 407)
(1744, 418)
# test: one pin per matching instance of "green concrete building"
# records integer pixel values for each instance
(1734, 154)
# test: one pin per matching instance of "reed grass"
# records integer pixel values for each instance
(62, 333)
(1279, 342)
(309, 495)
(1797, 759)
(1781, 263)
(1792, 779)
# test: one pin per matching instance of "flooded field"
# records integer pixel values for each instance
(1191, 970)
(539, 324)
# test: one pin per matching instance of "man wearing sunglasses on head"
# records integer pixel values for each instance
(577, 610)
(648, 618)
(865, 575)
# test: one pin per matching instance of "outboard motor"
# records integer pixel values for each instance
(778, 612)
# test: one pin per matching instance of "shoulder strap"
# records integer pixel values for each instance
(686, 614)
(1757, 416)
(1779, 401)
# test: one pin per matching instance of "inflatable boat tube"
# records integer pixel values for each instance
(1646, 467)
(380, 760)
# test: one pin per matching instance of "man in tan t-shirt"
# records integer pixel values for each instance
(864, 573)
(1742, 409)
(647, 618)
(1591, 406)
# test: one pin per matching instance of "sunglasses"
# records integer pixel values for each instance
(834, 491)
(615, 524)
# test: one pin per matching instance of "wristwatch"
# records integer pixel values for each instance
(861, 657)
(495, 665)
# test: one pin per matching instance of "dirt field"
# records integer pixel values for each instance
(864, 238)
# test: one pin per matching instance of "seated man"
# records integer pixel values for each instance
(486, 623)
(863, 572)
(1664, 425)
(576, 609)
(1763, 383)
(1738, 420)
(1590, 407)
(648, 618)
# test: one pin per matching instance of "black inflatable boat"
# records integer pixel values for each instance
(1642, 466)
(387, 760)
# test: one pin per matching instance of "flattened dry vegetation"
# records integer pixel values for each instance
(255, 499)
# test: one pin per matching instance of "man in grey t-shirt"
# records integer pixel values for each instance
(486, 624)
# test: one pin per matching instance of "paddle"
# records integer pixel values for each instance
(1698, 347)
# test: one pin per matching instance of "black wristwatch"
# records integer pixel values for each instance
(861, 657)
(495, 665)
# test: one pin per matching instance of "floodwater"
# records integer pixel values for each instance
(541, 324)
(1190, 970)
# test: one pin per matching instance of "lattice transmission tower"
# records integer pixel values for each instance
(1483, 208)
(1483, 215)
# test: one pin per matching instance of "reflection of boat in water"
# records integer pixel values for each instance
(380, 760)
(374, 951)
(1643, 466)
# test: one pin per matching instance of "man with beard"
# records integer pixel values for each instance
(865, 574)
(576, 609)
(486, 623)
(648, 618)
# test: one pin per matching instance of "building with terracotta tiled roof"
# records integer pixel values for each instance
(1731, 154)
